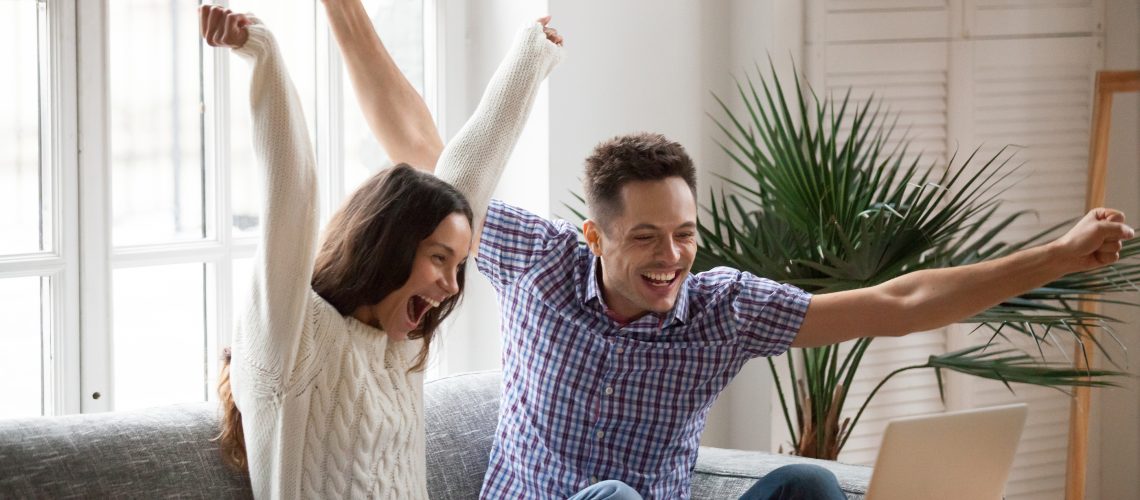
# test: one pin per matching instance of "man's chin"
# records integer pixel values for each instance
(660, 307)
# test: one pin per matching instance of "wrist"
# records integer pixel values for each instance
(1058, 259)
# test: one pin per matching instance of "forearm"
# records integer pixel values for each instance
(395, 112)
(284, 260)
(938, 297)
(474, 160)
(925, 300)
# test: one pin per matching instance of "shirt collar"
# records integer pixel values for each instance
(679, 313)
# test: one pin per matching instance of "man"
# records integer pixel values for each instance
(613, 352)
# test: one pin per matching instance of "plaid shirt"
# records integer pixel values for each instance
(586, 398)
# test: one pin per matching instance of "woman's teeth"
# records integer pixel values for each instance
(664, 277)
(429, 300)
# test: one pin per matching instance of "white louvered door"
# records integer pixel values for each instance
(1034, 93)
(966, 74)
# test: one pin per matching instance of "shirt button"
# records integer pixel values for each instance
(609, 390)
(620, 350)
(601, 434)
(593, 479)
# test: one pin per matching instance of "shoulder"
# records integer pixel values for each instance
(726, 283)
(520, 230)
(504, 213)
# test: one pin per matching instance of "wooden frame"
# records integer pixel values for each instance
(1107, 84)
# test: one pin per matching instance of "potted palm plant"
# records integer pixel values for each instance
(832, 203)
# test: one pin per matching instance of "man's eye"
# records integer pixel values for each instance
(643, 238)
(685, 236)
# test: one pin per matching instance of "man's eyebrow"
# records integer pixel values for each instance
(646, 225)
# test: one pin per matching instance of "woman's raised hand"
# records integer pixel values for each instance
(222, 27)
(551, 33)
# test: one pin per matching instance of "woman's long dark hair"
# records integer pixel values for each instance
(366, 253)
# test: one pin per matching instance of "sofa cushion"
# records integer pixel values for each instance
(724, 473)
(151, 453)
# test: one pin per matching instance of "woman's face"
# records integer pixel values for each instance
(433, 280)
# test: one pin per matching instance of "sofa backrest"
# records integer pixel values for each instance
(152, 453)
(462, 413)
(167, 451)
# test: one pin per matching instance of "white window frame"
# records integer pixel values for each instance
(78, 345)
(60, 352)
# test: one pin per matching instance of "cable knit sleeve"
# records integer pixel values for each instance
(266, 342)
(475, 158)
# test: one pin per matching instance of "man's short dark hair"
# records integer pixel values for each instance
(628, 158)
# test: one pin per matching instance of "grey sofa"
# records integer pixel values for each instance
(167, 452)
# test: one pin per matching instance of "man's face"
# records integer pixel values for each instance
(647, 250)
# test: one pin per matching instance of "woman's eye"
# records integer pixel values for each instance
(438, 259)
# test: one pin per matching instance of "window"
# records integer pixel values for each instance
(120, 102)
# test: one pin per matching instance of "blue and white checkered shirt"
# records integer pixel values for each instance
(586, 398)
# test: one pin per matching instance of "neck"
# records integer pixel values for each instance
(617, 308)
(364, 314)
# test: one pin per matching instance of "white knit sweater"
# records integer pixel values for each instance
(329, 408)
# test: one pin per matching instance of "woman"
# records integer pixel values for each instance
(327, 363)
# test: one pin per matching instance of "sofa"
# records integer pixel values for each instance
(166, 452)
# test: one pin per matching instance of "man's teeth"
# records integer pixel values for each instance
(661, 276)
(429, 300)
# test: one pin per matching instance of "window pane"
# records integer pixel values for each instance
(21, 345)
(25, 180)
(159, 335)
(400, 25)
(293, 25)
(156, 137)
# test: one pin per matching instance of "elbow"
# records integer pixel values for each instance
(899, 313)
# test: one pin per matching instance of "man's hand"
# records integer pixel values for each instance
(221, 27)
(1095, 241)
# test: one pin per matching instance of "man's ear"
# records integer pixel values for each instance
(593, 235)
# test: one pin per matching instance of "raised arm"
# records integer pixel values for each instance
(474, 160)
(395, 112)
(284, 262)
(930, 299)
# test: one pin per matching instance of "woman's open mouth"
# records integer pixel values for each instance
(418, 307)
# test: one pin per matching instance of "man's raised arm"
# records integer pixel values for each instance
(933, 298)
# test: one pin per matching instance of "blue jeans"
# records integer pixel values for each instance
(796, 482)
(790, 482)
(607, 490)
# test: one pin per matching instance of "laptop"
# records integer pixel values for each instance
(956, 455)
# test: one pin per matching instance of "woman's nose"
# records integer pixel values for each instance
(450, 282)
